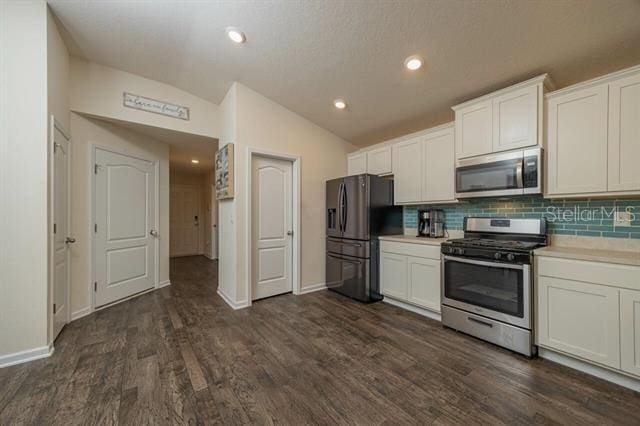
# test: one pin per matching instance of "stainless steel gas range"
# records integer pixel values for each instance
(487, 280)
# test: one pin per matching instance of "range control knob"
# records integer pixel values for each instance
(459, 251)
(498, 256)
(511, 257)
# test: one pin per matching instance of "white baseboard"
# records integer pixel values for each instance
(594, 370)
(312, 288)
(413, 308)
(26, 356)
(208, 256)
(164, 283)
(81, 313)
(234, 305)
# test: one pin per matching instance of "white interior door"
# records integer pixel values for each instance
(185, 220)
(61, 238)
(271, 228)
(125, 233)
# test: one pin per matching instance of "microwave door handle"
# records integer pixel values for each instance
(519, 174)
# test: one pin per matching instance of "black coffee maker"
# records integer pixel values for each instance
(431, 223)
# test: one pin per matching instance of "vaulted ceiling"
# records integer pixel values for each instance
(304, 54)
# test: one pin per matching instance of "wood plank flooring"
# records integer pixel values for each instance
(180, 355)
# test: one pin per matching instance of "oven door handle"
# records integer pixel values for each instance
(482, 262)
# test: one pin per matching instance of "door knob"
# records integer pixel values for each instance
(153, 233)
(289, 233)
(69, 240)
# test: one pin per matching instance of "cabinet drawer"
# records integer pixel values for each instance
(409, 249)
(607, 274)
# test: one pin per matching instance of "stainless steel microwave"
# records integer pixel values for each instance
(497, 175)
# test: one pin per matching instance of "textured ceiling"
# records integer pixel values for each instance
(304, 54)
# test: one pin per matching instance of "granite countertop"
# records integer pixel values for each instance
(413, 239)
(591, 254)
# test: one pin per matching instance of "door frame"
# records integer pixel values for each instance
(92, 208)
(53, 125)
(295, 216)
(198, 188)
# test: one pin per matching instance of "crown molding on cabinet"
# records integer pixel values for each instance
(545, 79)
(603, 79)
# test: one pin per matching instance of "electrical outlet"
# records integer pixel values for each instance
(622, 218)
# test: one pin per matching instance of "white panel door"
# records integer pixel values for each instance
(125, 240)
(630, 331)
(393, 275)
(580, 319)
(438, 167)
(577, 142)
(515, 119)
(357, 164)
(407, 175)
(624, 134)
(424, 282)
(474, 130)
(379, 161)
(61, 237)
(272, 227)
(185, 222)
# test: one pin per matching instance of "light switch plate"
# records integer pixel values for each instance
(622, 218)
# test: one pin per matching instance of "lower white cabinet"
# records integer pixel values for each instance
(590, 310)
(630, 331)
(580, 318)
(411, 273)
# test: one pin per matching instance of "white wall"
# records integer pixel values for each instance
(23, 177)
(98, 90)
(263, 124)
(87, 131)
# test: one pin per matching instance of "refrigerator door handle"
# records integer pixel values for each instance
(345, 208)
(340, 207)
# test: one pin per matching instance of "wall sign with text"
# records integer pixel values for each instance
(157, 107)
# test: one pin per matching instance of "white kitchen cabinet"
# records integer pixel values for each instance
(410, 273)
(504, 120)
(379, 161)
(624, 134)
(393, 275)
(424, 282)
(357, 163)
(407, 176)
(474, 129)
(579, 318)
(577, 142)
(630, 331)
(438, 171)
(515, 119)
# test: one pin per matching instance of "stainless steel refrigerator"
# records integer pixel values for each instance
(359, 209)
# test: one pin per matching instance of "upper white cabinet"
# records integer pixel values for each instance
(407, 171)
(424, 168)
(356, 163)
(624, 134)
(577, 142)
(438, 172)
(473, 129)
(593, 137)
(507, 119)
(379, 161)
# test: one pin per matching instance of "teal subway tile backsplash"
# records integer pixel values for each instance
(586, 217)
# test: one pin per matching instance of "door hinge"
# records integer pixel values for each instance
(54, 308)
(55, 228)
(95, 228)
(95, 286)
(95, 168)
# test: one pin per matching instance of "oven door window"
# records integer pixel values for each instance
(488, 177)
(491, 287)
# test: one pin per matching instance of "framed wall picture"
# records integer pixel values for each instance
(224, 172)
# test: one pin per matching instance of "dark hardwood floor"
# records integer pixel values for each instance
(180, 355)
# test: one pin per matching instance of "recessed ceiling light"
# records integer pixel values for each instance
(413, 62)
(236, 35)
(340, 104)
(194, 161)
